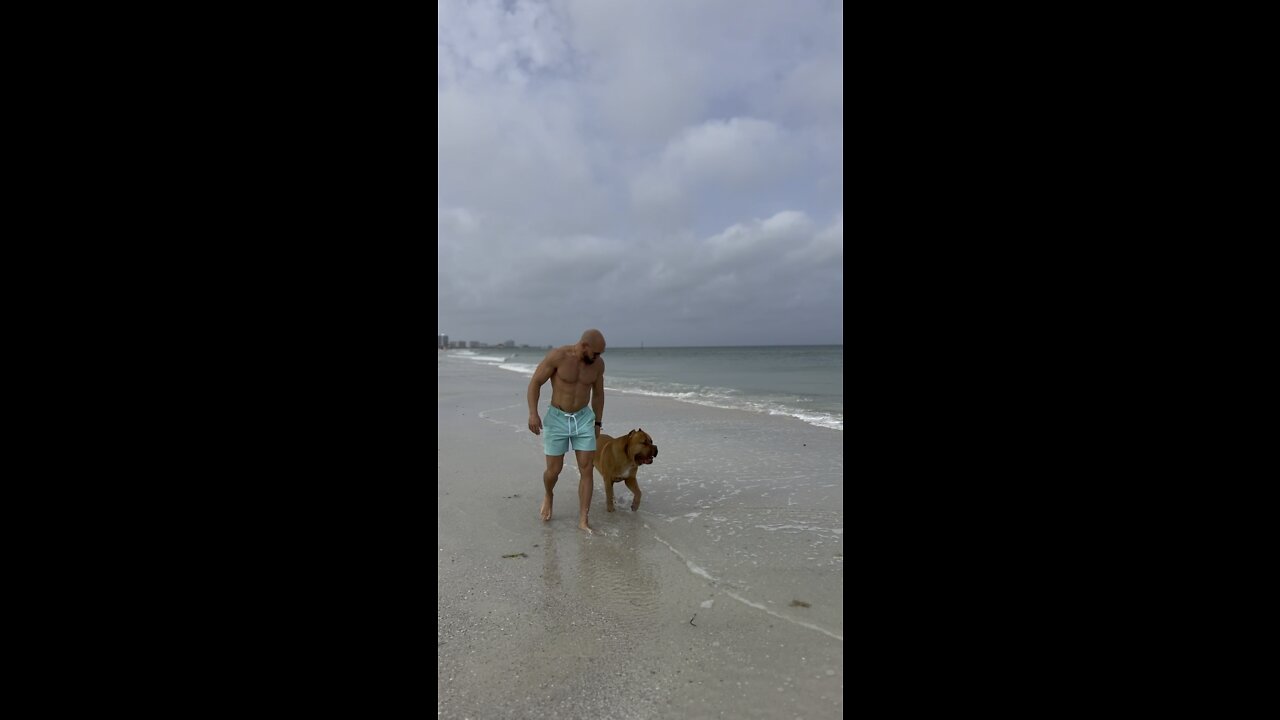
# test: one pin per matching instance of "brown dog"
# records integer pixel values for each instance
(619, 458)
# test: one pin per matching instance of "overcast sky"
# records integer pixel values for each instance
(669, 171)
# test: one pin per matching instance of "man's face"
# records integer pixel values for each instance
(589, 354)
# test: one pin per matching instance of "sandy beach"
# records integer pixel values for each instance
(721, 597)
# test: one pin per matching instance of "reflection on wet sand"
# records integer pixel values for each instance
(607, 571)
(615, 576)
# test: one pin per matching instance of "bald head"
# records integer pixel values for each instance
(591, 345)
(593, 338)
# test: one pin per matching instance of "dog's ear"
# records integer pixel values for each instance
(655, 451)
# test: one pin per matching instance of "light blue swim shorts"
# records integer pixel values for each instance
(559, 427)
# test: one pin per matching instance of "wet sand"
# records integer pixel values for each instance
(740, 531)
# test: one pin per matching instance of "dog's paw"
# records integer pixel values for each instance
(609, 508)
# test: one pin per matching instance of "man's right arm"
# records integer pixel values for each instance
(540, 376)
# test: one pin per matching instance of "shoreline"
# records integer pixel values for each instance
(719, 398)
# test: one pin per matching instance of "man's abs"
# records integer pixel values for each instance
(572, 398)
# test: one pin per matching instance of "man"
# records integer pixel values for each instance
(576, 373)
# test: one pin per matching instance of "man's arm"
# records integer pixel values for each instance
(597, 396)
(540, 376)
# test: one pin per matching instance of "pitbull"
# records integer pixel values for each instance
(619, 458)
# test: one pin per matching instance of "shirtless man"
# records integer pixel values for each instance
(576, 373)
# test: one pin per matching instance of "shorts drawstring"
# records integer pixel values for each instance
(572, 426)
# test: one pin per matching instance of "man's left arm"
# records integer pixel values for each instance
(597, 398)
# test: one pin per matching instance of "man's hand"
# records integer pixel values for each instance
(535, 424)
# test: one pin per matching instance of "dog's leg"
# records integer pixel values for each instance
(634, 487)
(608, 493)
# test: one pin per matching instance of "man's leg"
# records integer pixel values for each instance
(585, 481)
(549, 478)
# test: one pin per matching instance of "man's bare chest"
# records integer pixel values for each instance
(577, 375)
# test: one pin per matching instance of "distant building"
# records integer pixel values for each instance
(509, 344)
(475, 343)
(442, 341)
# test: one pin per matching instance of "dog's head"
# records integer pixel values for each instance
(640, 447)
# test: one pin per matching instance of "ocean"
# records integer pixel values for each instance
(802, 381)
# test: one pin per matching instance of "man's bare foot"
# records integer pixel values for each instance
(582, 525)
(545, 513)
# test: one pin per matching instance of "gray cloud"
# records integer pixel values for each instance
(670, 172)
